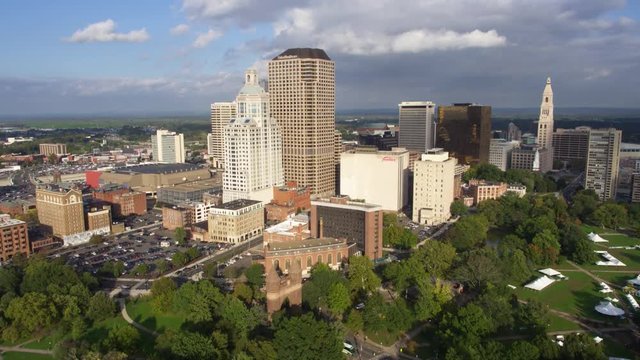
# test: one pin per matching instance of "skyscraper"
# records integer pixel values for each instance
(221, 114)
(302, 94)
(545, 123)
(433, 187)
(464, 130)
(416, 120)
(252, 147)
(168, 147)
(603, 160)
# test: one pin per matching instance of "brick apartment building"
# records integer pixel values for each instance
(14, 238)
(287, 201)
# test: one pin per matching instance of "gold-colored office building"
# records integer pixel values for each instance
(302, 90)
(61, 209)
(236, 221)
(464, 130)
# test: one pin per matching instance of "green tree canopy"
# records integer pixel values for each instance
(303, 337)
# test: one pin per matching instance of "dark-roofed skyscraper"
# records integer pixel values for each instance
(464, 130)
(302, 91)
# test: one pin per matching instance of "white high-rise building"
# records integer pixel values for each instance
(221, 114)
(168, 147)
(433, 187)
(417, 125)
(545, 122)
(377, 177)
(252, 147)
(500, 153)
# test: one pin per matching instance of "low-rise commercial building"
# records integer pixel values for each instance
(485, 190)
(532, 158)
(14, 237)
(189, 191)
(287, 201)
(236, 221)
(377, 177)
(123, 201)
(98, 218)
(53, 149)
(148, 178)
(357, 222)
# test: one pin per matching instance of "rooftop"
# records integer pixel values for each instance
(304, 244)
(157, 169)
(237, 204)
(206, 184)
(303, 53)
(6, 220)
(287, 225)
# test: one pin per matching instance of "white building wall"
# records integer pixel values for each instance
(433, 188)
(380, 178)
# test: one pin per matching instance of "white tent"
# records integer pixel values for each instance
(550, 272)
(635, 281)
(605, 288)
(540, 283)
(607, 308)
(611, 260)
(596, 238)
(632, 301)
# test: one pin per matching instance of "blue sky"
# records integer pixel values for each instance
(84, 57)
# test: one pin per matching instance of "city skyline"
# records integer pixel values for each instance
(179, 56)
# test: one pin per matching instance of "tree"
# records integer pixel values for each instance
(123, 338)
(458, 208)
(186, 345)
(254, 275)
(468, 232)
(432, 296)
(533, 315)
(96, 239)
(180, 236)
(610, 215)
(467, 326)
(32, 312)
(436, 257)
(192, 253)
(163, 290)
(585, 202)
(544, 249)
(100, 307)
(263, 350)
(338, 299)
(179, 259)
(534, 226)
(355, 322)
(210, 270)
(197, 301)
(362, 279)
(575, 245)
(492, 210)
(515, 267)
(140, 269)
(522, 350)
(304, 337)
(162, 265)
(316, 289)
(478, 267)
(243, 292)
(581, 346)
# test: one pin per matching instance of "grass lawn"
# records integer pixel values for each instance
(578, 296)
(140, 311)
(14, 355)
(556, 323)
(99, 331)
(615, 238)
(616, 278)
(631, 258)
(614, 349)
(382, 337)
(46, 343)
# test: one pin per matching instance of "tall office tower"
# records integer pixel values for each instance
(513, 132)
(252, 147)
(464, 130)
(433, 183)
(61, 209)
(500, 153)
(416, 120)
(603, 161)
(336, 153)
(571, 146)
(221, 114)
(302, 89)
(168, 147)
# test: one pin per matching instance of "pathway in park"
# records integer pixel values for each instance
(127, 318)
(18, 348)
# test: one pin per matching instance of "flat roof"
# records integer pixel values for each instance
(8, 221)
(157, 168)
(205, 184)
(286, 225)
(237, 204)
(304, 244)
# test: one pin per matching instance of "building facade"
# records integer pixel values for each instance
(500, 153)
(236, 221)
(176, 217)
(417, 125)
(357, 222)
(98, 218)
(485, 190)
(635, 188)
(545, 121)
(168, 147)
(532, 158)
(124, 202)
(287, 201)
(53, 149)
(281, 289)
(433, 187)
(221, 115)
(464, 130)
(603, 161)
(572, 146)
(252, 147)
(377, 177)
(61, 210)
(302, 94)
(14, 237)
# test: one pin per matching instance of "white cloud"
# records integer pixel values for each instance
(204, 39)
(104, 31)
(212, 8)
(179, 29)
(594, 74)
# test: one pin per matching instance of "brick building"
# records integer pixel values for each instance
(283, 288)
(14, 238)
(175, 217)
(98, 218)
(485, 190)
(357, 222)
(124, 201)
(295, 228)
(287, 200)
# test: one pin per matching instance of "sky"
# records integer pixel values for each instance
(179, 56)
